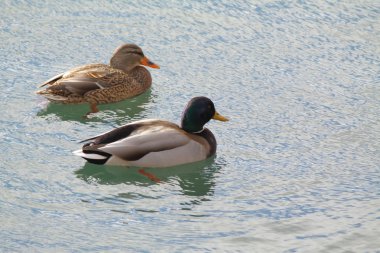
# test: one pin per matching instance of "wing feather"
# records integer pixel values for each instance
(51, 80)
(82, 79)
(137, 146)
(81, 86)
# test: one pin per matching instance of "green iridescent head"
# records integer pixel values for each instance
(197, 113)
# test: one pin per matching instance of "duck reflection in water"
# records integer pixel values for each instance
(195, 179)
(131, 108)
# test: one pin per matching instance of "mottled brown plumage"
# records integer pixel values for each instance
(100, 83)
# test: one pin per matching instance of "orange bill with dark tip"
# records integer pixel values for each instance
(146, 62)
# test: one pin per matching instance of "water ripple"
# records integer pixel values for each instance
(297, 166)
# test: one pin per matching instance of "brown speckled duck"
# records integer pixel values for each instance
(100, 83)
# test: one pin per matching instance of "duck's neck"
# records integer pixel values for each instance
(198, 132)
(118, 63)
(190, 127)
(142, 76)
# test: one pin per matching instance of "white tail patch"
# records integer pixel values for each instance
(89, 156)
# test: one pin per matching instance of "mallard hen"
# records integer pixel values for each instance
(96, 84)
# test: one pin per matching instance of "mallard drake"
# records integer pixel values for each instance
(157, 143)
(101, 83)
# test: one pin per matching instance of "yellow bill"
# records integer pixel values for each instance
(217, 116)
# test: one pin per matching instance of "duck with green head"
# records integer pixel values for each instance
(157, 143)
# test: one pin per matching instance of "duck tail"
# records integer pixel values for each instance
(50, 96)
(51, 80)
(93, 156)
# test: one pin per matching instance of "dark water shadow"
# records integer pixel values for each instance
(195, 179)
(119, 112)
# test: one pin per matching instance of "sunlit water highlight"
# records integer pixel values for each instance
(297, 167)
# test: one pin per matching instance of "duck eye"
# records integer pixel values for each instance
(204, 115)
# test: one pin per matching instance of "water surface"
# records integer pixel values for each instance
(297, 167)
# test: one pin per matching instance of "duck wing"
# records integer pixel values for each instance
(51, 80)
(137, 146)
(73, 72)
(115, 134)
(150, 143)
(83, 79)
(79, 85)
(133, 141)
